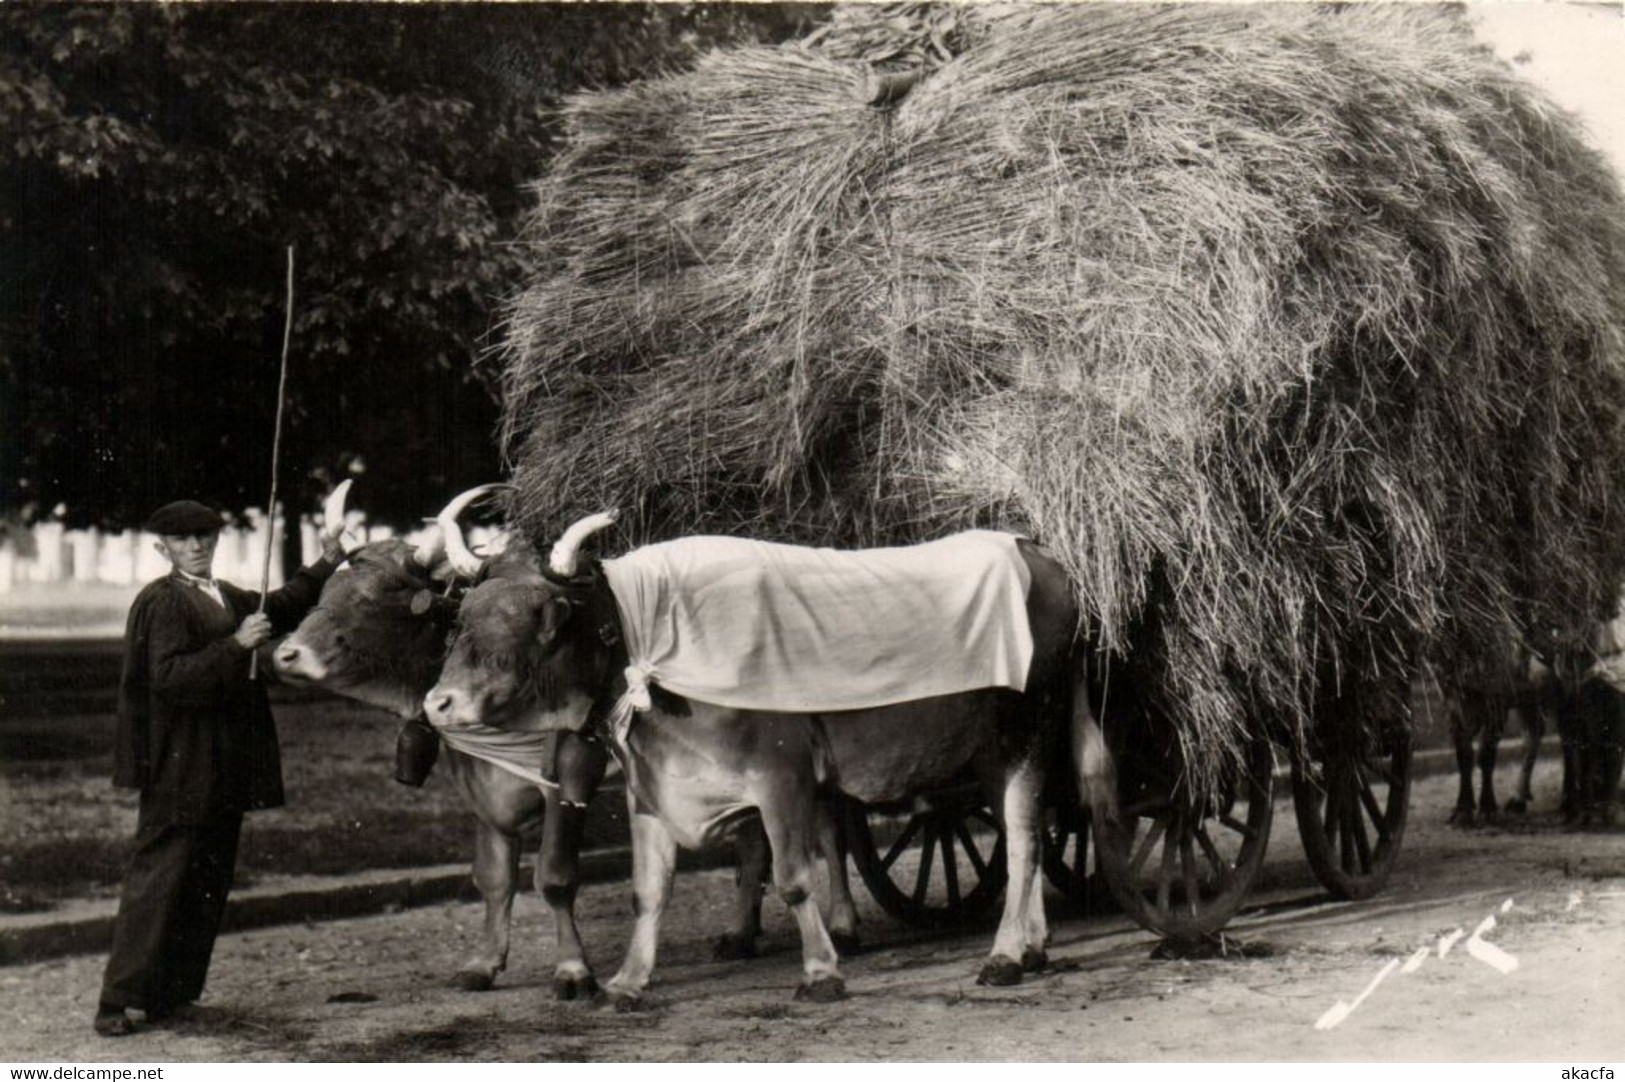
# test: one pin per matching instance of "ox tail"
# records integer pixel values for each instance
(1091, 757)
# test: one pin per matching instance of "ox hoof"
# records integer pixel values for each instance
(620, 1001)
(1517, 806)
(846, 942)
(823, 990)
(1034, 960)
(474, 980)
(733, 948)
(1000, 973)
(1462, 817)
(566, 988)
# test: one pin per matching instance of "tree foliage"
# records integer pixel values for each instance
(156, 161)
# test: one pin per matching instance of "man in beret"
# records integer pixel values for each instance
(195, 736)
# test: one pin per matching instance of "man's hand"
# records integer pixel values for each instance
(254, 630)
(338, 544)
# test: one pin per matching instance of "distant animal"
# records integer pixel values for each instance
(1593, 725)
(1477, 702)
(1576, 689)
(693, 767)
(378, 636)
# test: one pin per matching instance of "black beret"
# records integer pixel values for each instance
(182, 517)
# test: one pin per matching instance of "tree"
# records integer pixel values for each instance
(155, 160)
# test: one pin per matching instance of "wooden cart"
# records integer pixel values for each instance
(1180, 864)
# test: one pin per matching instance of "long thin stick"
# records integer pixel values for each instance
(276, 455)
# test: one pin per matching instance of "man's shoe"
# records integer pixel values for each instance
(169, 1012)
(113, 1022)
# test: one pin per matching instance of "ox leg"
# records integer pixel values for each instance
(1013, 948)
(558, 879)
(580, 767)
(1461, 739)
(1603, 732)
(739, 942)
(1572, 737)
(496, 874)
(1489, 746)
(1534, 727)
(1092, 760)
(791, 822)
(1034, 959)
(1612, 756)
(654, 861)
(843, 911)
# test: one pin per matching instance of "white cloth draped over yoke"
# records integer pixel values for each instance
(756, 625)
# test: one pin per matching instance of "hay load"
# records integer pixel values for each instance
(1298, 335)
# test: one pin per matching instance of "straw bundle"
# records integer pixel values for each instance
(1298, 335)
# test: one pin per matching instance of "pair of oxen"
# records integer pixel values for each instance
(523, 644)
(1571, 686)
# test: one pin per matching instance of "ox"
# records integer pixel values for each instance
(1577, 691)
(1593, 727)
(1477, 702)
(378, 635)
(694, 769)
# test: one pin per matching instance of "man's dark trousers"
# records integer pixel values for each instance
(170, 911)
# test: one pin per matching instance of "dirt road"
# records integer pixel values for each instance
(376, 988)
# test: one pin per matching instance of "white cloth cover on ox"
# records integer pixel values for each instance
(523, 754)
(755, 625)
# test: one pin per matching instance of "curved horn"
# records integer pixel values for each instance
(432, 546)
(462, 561)
(333, 508)
(562, 560)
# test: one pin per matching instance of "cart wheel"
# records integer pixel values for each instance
(1352, 804)
(1069, 864)
(943, 863)
(1180, 869)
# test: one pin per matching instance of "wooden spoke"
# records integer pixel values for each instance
(1211, 852)
(1165, 878)
(1158, 826)
(1345, 834)
(903, 879)
(1362, 842)
(1368, 799)
(1064, 854)
(1353, 821)
(971, 851)
(922, 880)
(901, 844)
(1222, 870)
(1331, 805)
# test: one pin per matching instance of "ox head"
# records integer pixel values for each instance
(378, 632)
(531, 653)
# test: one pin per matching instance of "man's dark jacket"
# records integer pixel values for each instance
(195, 734)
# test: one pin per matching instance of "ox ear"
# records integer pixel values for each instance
(426, 601)
(555, 613)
